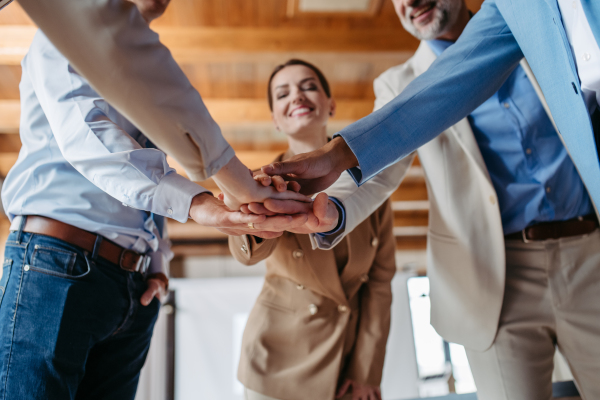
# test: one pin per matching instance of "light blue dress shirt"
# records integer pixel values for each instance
(533, 175)
(84, 164)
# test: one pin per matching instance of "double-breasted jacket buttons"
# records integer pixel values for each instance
(299, 286)
(312, 309)
(297, 253)
(375, 242)
(244, 248)
(342, 308)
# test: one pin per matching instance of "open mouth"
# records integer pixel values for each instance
(300, 111)
(421, 13)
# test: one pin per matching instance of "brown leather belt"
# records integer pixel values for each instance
(128, 260)
(556, 229)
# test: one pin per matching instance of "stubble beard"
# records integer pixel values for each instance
(444, 17)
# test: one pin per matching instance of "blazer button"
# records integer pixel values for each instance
(300, 287)
(342, 308)
(312, 309)
(244, 248)
(297, 253)
(364, 278)
(374, 242)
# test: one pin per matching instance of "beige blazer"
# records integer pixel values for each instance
(309, 323)
(465, 249)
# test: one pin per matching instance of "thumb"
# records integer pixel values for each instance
(343, 389)
(320, 206)
(285, 168)
(149, 295)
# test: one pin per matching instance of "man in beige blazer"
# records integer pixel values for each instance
(509, 296)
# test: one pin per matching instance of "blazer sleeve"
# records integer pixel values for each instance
(109, 43)
(366, 362)
(250, 250)
(361, 201)
(462, 78)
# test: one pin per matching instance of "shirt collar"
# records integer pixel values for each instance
(438, 46)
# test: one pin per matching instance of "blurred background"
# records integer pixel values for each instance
(228, 49)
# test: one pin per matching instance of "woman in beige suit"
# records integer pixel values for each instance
(320, 325)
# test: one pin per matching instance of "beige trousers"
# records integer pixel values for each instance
(252, 395)
(552, 298)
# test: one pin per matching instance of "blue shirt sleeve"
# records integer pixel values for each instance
(463, 77)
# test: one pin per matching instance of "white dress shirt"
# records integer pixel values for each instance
(84, 164)
(585, 50)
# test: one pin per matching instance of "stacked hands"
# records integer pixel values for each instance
(262, 204)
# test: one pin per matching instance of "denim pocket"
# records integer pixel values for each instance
(58, 262)
(6, 268)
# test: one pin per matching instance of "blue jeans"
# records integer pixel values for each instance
(70, 327)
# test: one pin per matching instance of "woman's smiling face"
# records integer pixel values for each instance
(299, 101)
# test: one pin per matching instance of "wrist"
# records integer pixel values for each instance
(342, 156)
(198, 202)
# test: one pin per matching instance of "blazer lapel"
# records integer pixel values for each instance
(322, 263)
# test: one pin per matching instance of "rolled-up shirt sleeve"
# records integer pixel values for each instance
(102, 151)
(114, 48)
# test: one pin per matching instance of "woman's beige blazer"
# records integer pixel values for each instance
(309, 321)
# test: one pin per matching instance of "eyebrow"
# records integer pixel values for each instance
(301, 82)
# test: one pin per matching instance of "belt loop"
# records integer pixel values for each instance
(21, 227)
(96, 247)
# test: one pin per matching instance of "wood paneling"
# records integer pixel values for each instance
(224, 111)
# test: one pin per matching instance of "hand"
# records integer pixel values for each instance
(317, 170)
(359, 391)
(156, 288)
(323, 215)
(239, 187)
(277, 181)
(207, 210)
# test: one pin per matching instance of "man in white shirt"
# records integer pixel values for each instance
(86, 261)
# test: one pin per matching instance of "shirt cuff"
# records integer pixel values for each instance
(174, 195)
(341, 221)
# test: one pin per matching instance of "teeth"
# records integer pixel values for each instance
(300, 111)
(422, 11)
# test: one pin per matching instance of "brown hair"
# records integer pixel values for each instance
(316, 70)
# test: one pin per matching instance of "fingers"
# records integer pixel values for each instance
(154, 289)
(293, 185)
(280, 223)
(279, 183)
(234, 218)
(343, 388)
(258, 208)
(287, 206)
(263, 178)
(285, 167)
(290, 195)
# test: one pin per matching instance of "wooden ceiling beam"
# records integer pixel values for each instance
(228, 112)
(194, 44)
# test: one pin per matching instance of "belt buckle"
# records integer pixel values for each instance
(141, 265)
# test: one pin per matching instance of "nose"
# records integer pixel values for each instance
(298, 96)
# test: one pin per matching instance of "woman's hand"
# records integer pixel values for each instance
(240, 188)
(359, 391)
